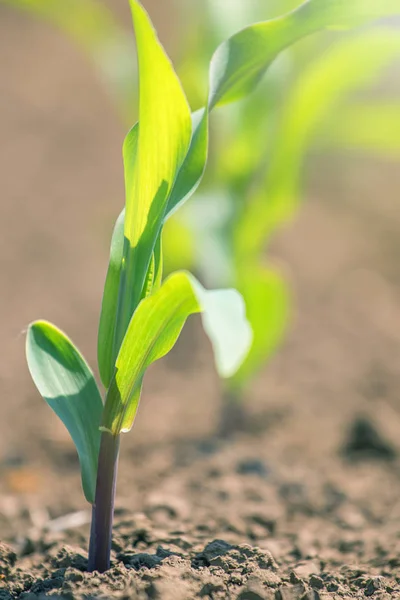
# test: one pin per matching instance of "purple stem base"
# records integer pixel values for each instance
(103, 507)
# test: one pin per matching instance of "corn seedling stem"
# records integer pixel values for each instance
(103, 507)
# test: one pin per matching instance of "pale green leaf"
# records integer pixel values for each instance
(154, 329)
(67, 384)
(224, 321)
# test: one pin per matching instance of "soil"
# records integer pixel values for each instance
(301, 504)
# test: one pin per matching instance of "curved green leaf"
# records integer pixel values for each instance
(223, 314)
(67, 384)
(193, 167)
(239, 63)
(154, 329)
(347, 66)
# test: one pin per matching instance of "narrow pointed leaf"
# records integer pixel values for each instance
(154, 329)
(107, 345)
(67, 384)
(151, 166)
(107, 324)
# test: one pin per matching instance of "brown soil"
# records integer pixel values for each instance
(301, 505)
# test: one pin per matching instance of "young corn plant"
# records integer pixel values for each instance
(258, 167)
(164, 159)
(349, 66)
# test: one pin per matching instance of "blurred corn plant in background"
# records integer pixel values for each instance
(311, 100)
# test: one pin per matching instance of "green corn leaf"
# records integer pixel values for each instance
(223, 314)
(154, 329)
(108, 315)
(107, 344)
(107, 324)
(349, 65)
(239, 63)
(193, 167)
(268, 310)
(372, 128)
(67, 384)
(151, 162)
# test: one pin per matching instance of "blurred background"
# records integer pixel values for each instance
(302, 189)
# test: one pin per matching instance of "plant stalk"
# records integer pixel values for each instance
(103, 507)
(233, 417)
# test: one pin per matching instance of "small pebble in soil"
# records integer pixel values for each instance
(316, 582)
(252, 466)
(365, 442)
(7, 559)
(373, 585)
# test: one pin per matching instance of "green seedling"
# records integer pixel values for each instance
(259, 169)
(142, 315)
(313, 93)
(319, 92)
